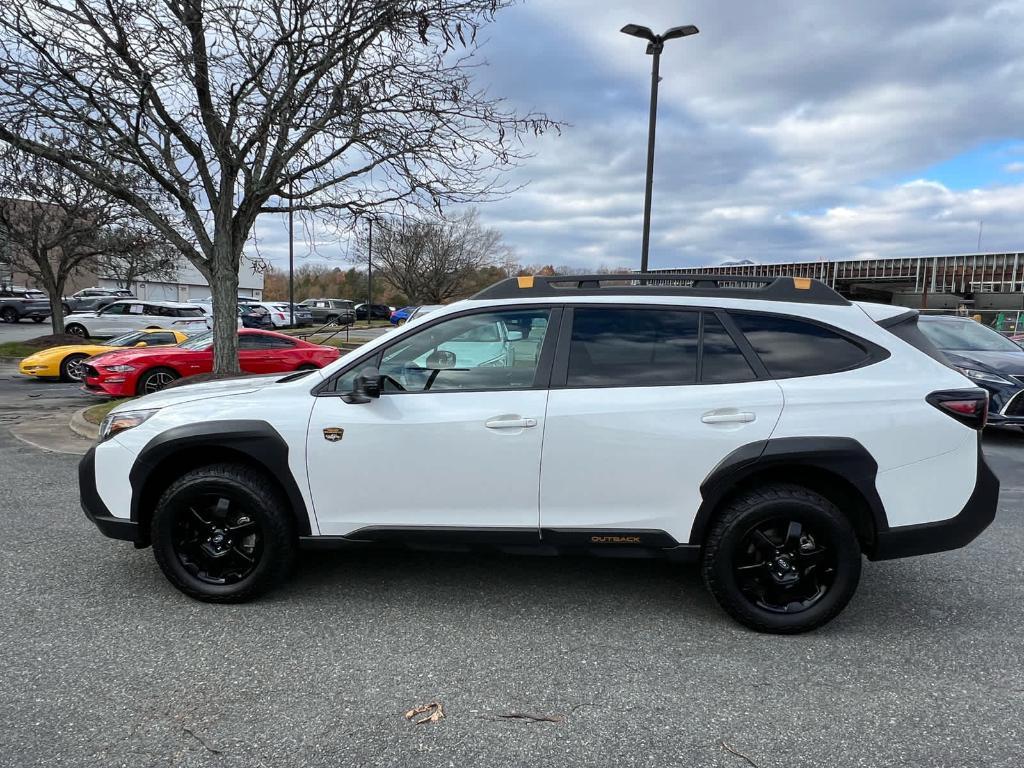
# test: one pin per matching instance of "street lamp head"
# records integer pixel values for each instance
(675, 32)
(637, 31)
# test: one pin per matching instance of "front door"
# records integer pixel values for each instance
(643, 409)
(454, 440)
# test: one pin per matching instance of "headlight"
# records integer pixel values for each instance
(119, 422)
(991, 378)
(119, 368)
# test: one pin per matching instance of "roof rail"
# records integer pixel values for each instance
(803, 290)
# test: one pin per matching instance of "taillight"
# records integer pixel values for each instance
(968, 406)
(280, 315)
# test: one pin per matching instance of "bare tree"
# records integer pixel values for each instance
(434, 260)
(137, 252)
(52, 221)
(235, 109)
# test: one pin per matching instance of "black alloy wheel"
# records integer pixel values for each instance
(215, 539)
(784, 567)
(781, 558)
(9, 315)
(223, 533)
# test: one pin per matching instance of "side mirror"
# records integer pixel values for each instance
(515, 335)
(367, 386)
(142, 344)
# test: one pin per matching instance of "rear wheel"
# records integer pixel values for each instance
(782, 559)
(71, 368)
(9, 315)
(155, 380)
(76, 330)
(223, 533)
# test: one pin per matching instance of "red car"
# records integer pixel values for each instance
(146, 370)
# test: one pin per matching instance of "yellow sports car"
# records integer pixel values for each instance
(66, 362)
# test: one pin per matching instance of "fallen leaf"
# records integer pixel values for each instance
(435, 708)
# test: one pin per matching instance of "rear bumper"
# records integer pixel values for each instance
(94, 508)
(944, 535)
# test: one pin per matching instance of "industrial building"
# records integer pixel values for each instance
(980, 281)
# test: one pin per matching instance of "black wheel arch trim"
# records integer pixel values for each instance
(257, 440)
(841, 456)
(95, 509)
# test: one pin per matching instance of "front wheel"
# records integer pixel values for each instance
(782, 559)
(155, 380)
(223, 533)
(72, 368)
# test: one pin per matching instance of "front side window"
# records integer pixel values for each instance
(613, 347)
(485, 351)
(789, 347)
(114, 309)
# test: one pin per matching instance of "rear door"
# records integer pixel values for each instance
(644, 403)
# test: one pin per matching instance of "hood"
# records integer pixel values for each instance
(65, 350)
(120, 356)
(190, 392)
(994, 362)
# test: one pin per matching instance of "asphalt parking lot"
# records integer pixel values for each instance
(620, 662)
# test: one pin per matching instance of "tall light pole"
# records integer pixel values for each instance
(291, 254)
(369, 272)
(655, 45)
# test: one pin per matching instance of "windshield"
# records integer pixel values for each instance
(128, 340)
(965, 335)
(195, 343)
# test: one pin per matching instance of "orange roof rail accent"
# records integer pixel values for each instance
(802, 283)
(526, 281)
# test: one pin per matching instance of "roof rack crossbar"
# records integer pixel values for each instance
(762, 287)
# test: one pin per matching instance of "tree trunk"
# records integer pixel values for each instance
(55, 290)
(224, 290)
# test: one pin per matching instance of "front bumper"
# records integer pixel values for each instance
(944, 535)
(109, 389)
(95, 509)
(45, 370)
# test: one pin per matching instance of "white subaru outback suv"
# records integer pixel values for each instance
(766, 428)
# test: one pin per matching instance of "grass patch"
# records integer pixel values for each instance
(16, 349)
(31, 346)
(97, 413)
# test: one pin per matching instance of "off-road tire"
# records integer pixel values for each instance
(262, 501)
(722, 553)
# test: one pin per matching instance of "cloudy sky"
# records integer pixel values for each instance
(787, 130)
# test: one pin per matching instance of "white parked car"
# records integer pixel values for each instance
(135, 315)
(765, 428)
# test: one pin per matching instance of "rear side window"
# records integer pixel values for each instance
(790, 347)
(722, 362)
(633, 348)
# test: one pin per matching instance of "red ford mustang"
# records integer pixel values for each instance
(148, 369)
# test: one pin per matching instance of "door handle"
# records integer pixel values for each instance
(510, 423)
(743, 417)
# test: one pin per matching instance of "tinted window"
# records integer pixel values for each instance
(789, 347)
(114, 309)
(188, 312)
(156, 339)
(272, 342)
(632, 348)
(722, 360)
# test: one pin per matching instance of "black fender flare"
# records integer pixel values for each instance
(257, 440)
(840, 456)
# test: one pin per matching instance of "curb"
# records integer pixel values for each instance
(83, 428)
